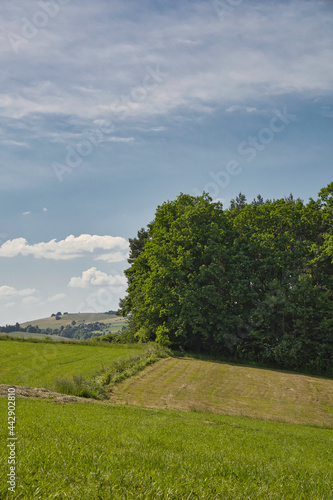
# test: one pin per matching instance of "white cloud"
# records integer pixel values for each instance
(10, 304)
(157, 129)
(26, 213)
(94, 277)
(70, 248)
(102, 123)
(56, 297)
(247, 109)
(119, 139)
(29, 300)
(44, 209)
(188, 42)
(11, 142)
(151, 129)
(112, 257)
(258, 49)
(9, 291)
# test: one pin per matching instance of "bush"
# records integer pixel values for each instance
(126, 336)
(80, 387)
(118, 371)
(123, 369)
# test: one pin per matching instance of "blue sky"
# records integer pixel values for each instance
(108, 109)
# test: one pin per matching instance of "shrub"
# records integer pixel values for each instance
(80, 387)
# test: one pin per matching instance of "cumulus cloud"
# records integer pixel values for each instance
(70, 248)
(56, 297)
(94, 277)
(111, 257)
(9, 291)
(29, 300)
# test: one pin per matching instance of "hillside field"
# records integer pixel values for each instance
(40, 364)
(175, 383)
(190, 384)
(115, 322)
(41, 336)
(73, 448)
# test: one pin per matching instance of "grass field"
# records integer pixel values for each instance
(187, 384)
(115, 322)
(96, 451)
(27, 335)
(40, 364)
(102, 450)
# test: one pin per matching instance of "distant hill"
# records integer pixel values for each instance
(27, 335)
(79, 318)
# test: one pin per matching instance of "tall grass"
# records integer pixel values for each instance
(117, 371)
(124, 368)
(79, 386)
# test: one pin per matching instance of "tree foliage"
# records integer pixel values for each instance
(253, 281)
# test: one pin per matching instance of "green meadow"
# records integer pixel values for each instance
(39, 364)
(96, 451)
(137, 444)
(28, 335)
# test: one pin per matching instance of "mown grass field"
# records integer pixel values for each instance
(40, 364)
(191, 384)
(96, 451)
(115, 322)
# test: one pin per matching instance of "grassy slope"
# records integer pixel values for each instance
(181, 384)
(113, 320)
(39, 364)
(95, 451)
(187, 384)
(27, 335)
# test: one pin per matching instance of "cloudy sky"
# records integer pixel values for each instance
(110, 108)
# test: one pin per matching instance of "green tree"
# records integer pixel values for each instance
(239, 202)
(177, 283)
(254, 281)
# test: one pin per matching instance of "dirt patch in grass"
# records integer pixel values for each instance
(195, 385)
(33, 392)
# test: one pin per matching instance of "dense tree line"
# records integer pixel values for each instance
(81, 331)
(253, 281)
(72, 331)
(18, 328)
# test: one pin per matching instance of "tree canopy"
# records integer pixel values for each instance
(253, 281)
